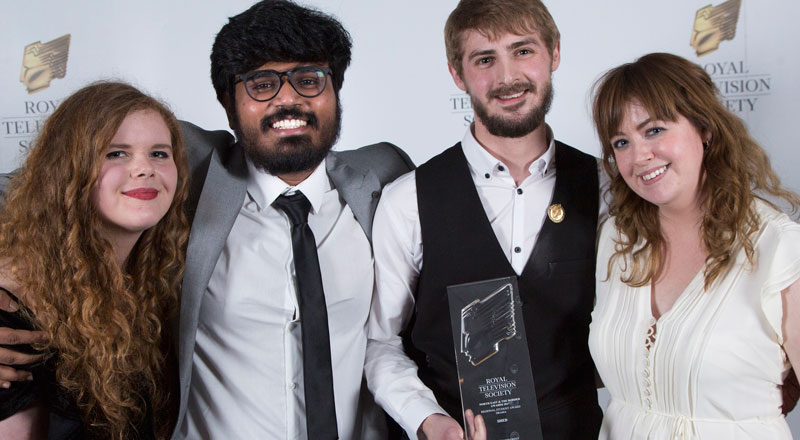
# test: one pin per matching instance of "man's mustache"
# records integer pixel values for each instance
(512, 89)
(280, 115)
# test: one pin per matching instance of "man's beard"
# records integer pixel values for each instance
(289, 154)
(501, 126)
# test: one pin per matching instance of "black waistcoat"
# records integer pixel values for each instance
(556, 286)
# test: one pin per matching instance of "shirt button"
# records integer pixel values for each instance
(517, 249)
(519, 190)
(292, 385)
(501, 168)
(486, 175)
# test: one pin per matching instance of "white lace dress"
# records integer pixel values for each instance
(712, 366)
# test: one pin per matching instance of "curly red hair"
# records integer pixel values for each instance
(109, 324)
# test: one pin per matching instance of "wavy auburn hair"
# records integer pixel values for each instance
(735, 168)
(108, 323)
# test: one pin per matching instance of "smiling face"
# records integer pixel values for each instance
(289, 133)
(509, 81)
(137, 181)
(661, 161)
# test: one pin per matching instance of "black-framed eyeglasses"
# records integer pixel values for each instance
(263, 85)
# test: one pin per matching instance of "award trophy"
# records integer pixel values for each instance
(494, 366)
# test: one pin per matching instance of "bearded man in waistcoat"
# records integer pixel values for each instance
(508, 200)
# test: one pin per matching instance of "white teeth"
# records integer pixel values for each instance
(655, 173)
(288, 124)
(516, 95)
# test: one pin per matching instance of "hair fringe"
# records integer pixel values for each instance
(740, 172)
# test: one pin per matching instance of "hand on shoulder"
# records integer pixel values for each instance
(10, 337)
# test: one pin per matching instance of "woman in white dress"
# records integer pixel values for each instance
(697, 319)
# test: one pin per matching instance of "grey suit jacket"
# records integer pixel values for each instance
(5, 179)
(218, 186)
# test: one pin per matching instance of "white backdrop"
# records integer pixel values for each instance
(398, 88)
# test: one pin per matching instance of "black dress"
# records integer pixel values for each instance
(65, 417)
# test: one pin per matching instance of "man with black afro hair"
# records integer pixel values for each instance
(272, 333)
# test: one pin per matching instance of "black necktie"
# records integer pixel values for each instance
(317, 372)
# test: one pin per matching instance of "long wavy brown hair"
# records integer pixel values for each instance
(736, 170)
(109, 324)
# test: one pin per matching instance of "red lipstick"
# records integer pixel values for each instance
(142, 193)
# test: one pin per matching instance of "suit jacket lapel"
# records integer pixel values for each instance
(360, 189)
(219, 204)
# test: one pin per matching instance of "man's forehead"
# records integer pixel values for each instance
(480, 39)
(283, 66)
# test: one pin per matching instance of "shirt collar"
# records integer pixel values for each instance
(263, 188)
(483, 163)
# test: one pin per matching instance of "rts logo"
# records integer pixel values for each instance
(42, 63)
(713, 25)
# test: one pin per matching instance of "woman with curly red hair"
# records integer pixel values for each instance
(93, 233)
(697, 319)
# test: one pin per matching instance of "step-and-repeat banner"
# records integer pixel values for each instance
(398, 88)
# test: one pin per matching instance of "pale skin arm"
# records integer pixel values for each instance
(28, 424)
(791, 334)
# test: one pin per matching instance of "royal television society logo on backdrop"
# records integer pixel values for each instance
(41, 63)
(713, 25)
(461, 106)
(740, 84)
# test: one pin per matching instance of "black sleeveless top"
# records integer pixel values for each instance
(65, 417)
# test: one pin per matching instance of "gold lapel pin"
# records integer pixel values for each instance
(556, 213)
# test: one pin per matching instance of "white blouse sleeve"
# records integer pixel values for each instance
(778, 258)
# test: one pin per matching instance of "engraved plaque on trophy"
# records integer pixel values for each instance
(494, 367)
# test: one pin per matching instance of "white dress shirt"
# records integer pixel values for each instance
(516, 214)
(247, 375)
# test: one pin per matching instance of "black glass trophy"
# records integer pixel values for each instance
(494, 366)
